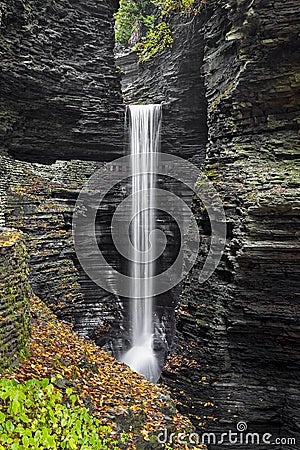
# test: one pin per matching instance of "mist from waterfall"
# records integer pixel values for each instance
(144, 140)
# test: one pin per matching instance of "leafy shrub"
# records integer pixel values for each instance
(126, 18)
(153, 15)
(158, 38)
(38, 416)
(167, 6)
(129, 14)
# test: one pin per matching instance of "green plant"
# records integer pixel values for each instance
(125, 438)
(126, 18)
(167, 6)
(129, 14)
(154, 18)
(158, 38)
(38, 416)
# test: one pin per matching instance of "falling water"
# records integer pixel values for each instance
(144, 134)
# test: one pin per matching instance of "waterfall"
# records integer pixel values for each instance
(144, 139)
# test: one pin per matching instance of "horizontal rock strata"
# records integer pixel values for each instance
(60, 89)
(40, 202)
(237, 351)
(14, 301)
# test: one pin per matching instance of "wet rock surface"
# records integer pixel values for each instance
(174, 79)
(60, 89)
(236, 351)
(40, 201)
(231, 91)
(61, 99)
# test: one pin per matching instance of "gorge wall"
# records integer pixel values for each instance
(230, 88)
(232, 80)
(236, 354)
(174, 78)
(60, 100)
(60, 87)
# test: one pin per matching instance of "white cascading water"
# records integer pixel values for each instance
(144, 134)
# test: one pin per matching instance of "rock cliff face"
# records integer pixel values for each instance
(60, 92)
(236, 354)
(15, 292)
(60, 99)
(40, 201)
(174, 79)
(230, 88)
(236, 351)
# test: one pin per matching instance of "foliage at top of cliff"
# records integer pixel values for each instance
(65, 379)
(167, 6)
(145, 24)
(130, 15)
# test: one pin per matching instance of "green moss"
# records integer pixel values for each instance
(15, 316)
(167, 6)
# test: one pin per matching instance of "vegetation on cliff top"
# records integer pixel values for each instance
(130, 14)
(146, 24)
(68, 388)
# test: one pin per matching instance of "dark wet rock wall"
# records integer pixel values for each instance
(60, 100)
(230, 88)
(236, 353)
(60, 89)
(40, 201)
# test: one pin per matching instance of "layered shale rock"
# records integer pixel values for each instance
(236, 350)
(60, 90)
(61, 99)
(40, 201)
(14, 302)
(230, 87)
(174, 79)
(237, 354)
